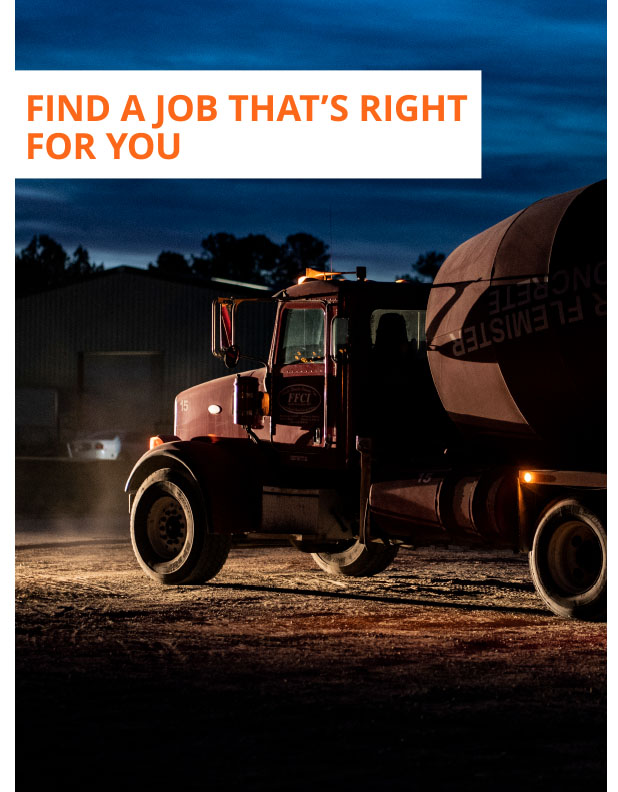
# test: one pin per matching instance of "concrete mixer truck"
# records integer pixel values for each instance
(469, 412)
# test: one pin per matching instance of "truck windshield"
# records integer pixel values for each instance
(303, 336)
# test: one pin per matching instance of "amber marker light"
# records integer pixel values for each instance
(528, 477)
(156, 441)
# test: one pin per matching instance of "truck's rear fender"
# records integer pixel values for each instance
(228, 473)
(537, 499)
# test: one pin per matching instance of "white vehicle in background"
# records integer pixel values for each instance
(108, 445)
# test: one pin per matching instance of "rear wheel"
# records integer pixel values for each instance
(568, 561)
(169, 531)
(357, 560)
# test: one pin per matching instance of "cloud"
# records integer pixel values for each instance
(385, 224)
(543, 116)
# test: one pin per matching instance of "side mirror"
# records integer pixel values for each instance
(231, 356)
(223, 327)
(339, 339)
(223, 344)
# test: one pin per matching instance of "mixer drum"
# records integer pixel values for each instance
(516, 332)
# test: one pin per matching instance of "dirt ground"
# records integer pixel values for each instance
(444, 672)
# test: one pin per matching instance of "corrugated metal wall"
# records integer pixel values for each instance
(127, 311)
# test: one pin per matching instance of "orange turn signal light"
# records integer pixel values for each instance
(156, 441)
(528, 477)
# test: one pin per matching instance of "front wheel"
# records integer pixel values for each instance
(568, 561)
(169, 531)
(357, 560)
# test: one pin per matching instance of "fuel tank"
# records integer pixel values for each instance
(516, 333)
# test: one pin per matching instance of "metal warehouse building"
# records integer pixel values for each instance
(111, 352)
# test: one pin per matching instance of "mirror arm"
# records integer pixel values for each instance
(257, 360)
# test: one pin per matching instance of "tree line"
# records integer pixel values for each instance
(44, 264)
(252, 259)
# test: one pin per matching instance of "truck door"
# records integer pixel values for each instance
(300, 369)
(407, 420)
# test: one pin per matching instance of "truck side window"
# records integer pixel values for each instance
(303, 336)
(396, 332)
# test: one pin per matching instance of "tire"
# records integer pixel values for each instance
(357, 560)
(568, 561)
(169, 531)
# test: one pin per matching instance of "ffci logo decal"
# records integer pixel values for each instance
(300, 399)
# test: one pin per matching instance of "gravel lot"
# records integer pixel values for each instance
(443, 672)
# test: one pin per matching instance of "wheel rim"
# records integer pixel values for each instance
(166, 527)
(575, 557)
(338, 551)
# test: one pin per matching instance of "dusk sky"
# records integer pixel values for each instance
(543, 64)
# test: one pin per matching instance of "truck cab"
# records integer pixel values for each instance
(348, 359)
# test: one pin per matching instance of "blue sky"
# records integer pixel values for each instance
(544, 98)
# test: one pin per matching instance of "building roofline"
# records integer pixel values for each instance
(215, 284)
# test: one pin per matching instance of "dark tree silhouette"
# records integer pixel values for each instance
(258, 257)
(217, 257)
(298, 252)
(250, 259)
(44, 264)
(425, 268)
(173, 264)
(79, 266)
(39, 266)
